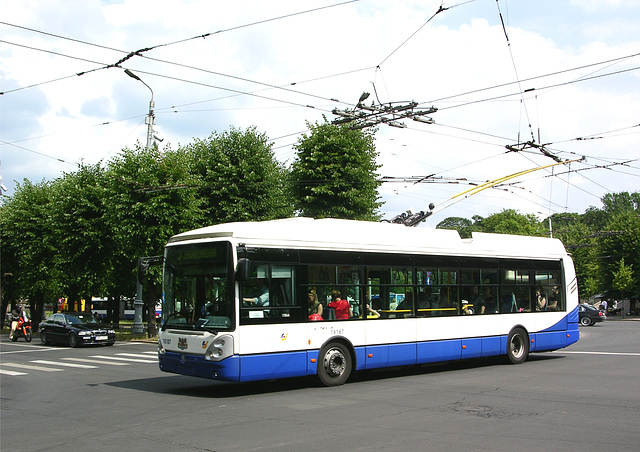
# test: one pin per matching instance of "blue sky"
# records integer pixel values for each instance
(563, 74)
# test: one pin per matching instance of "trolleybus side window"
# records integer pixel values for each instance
(437, 292)
(479, 290)
(269, 295)
(375, 293)
(402, 291)
(325, 279)
(550, 284)
(515, 291)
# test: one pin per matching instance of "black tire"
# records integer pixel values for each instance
(43, 338)
(28, 337)
(585, 321)
(73, 341)
(334, 364)
(518, 346)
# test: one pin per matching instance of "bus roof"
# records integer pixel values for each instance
(336, 234)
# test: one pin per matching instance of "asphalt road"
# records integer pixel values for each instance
(584, 398)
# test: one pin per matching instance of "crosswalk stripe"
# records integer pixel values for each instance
(30, 367)
(133, 355)
(55, 363)
(95, 361)
(132, 360)
(11, 373)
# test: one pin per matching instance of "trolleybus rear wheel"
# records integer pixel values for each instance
(518, 346)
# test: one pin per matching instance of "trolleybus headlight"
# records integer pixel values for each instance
(160, 348)
(220, 348)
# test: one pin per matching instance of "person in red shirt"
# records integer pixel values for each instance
(342, 307)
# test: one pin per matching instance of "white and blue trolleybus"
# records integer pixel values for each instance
(294, 297)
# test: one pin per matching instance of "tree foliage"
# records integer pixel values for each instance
(80, 231)
(30, 265)
(463, 225)
(239, 178)
(509, 221)
(623, 280)
(334, 174)
(151, 198)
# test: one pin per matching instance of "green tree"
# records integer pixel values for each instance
(464, 226)
(579, 240)
(334, 174)
(29, 251)
(614, 203)
(151, 196)
(619, 240)
(623, 279)
(80, 231)
(239, 178)
(509, 221)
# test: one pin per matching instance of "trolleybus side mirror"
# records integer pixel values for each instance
(242, 269)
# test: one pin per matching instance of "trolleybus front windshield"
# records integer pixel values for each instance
(198, 285)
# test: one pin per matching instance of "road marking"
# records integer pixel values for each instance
(30, 367)
(11, 373)
(599, 353)
(95, 361)
(56, 363)
(131, 360)
(134, 355)
(31, 349)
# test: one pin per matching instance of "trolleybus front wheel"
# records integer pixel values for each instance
(334, 364)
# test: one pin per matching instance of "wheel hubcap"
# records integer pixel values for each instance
(516, 346)
(334, 362)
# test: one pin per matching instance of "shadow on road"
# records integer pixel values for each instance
(202, 388)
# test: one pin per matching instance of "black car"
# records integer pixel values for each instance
(75, 329)
(590, 315)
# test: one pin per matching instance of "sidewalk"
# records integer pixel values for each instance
(631, 317)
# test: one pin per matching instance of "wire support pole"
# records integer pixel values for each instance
(150, 120)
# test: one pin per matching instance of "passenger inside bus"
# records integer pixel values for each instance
(405, 307)
(315, 307)
(541, 300)
(553, 303)
(477, 301)
(262, 299)
(424, 301)
(342, 307)
(490, 305)
(374, 308)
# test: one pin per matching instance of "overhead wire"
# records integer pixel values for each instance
(515, 69)
(146, 49)
(550, 74)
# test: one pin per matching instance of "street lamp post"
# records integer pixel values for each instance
(151, 119)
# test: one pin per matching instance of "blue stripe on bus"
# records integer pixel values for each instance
(273, 365)
(196, 366)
